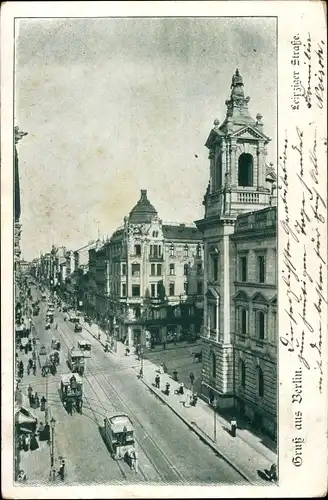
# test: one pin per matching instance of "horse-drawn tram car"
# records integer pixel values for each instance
(75, 361)
(71, 392)
(119, 435)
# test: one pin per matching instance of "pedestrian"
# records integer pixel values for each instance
(52, 474)
(69, 406)
(133, 460)
(37, 400)
(25, 442)
(61, 471)
(175, 376)
(29, 391)
(30, 362)
(175, 338)
(43, 404)
(233, 427)
(192, 378)
(127, 351)
(21, 366)
(34, 445)
(164, 345)
(187, 401)
(167, 388)
(157, 381)
(32, 400)
(28, 369)
(180, 390)
(34, 368)
(26, 348)
(46, 432)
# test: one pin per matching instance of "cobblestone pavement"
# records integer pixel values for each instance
(168, 451)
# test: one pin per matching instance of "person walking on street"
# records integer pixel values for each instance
(233, 427)
(28, 369)
(29, 392)
(34, 368)
(175, 376)
(157, 381)
(37, 400)
(192, 378)
(61, 471)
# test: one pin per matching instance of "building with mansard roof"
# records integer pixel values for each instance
(149, 278)
(239, 337)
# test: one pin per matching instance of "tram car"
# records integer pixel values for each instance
(71, 392)
(75, 361)
(119, 435)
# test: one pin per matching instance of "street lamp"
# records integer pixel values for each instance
(52, 425)
(214, 414)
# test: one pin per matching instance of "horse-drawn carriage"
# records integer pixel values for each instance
(85, 347)
(75, 361)
(55, 344)
(71, 392)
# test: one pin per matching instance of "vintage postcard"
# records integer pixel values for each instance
(164, 249)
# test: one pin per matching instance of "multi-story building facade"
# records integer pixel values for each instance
(149, 277)
(239, 232)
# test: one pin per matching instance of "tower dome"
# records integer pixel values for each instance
(143, 211)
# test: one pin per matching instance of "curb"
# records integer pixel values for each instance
(199, 433)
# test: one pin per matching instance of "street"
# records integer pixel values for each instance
(167, 450)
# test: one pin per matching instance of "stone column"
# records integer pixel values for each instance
(226, 288)
(217, 326)
(233, 165)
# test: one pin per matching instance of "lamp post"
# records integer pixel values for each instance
(52, 425)
(214, 414)
(46, 371)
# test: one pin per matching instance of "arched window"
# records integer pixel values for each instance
(245, 170)
(260, 382)
(242, 373)
(213, 365)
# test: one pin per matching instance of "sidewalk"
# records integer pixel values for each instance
(246, 452)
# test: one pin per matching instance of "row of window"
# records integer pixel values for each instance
(156, 250)
(242, 374)
(259, 322)
(157, 289)
(260, 269)
(156, 269)
(259, 378)
(242, 268)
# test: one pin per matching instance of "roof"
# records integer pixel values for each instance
(181, 232)
(76, 352)
(66, 377)
(143, 211)
(120, 423)
(84, 342)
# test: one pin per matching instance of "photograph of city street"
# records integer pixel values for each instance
(145, 251)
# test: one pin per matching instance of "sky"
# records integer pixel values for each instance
(112, 106)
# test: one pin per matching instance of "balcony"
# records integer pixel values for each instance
(264, 219)
(156, 258)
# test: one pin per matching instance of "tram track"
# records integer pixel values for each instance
(95, 416)
(95, 374)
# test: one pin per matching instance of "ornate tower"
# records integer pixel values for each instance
(237, 151)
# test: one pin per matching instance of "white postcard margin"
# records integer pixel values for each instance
(302, 245)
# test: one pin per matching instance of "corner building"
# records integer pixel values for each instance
(150, 278)
(240, 296)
